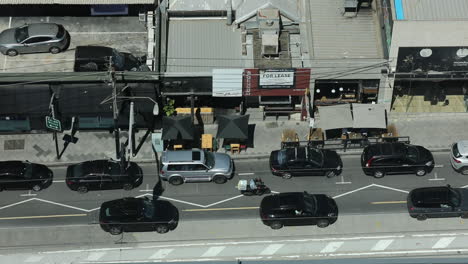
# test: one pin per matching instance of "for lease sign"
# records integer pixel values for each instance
(278, 78)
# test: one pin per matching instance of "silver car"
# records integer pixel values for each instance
(459, 156)
(34, 38)
(195, 165)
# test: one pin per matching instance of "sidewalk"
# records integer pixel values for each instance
(436, 131)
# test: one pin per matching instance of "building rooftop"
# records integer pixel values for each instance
(433, 10)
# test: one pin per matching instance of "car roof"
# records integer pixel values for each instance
(11, 166)
(386, 149)
(122, 207)
(47, 29)
(93, 52)
(183, 155)
(463, 147)
(283, 200)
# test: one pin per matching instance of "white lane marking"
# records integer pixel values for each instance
(406, 252)
(440, 235)
(106, 32)
(225, 200)
(213, 251)
(13, 204)
(342, 181)
(95, 256)
(162, 253)
(382, 244)
(147, 189)
(59, 181)
(271, 249)
(436, 179)
(331, 247)
(34, 258)
(390, 188)
(353, 191)
(245, 173)
(29, 194)
(60, 204)
(439, 166)
(443, 242)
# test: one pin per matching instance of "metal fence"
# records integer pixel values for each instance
(344, 144)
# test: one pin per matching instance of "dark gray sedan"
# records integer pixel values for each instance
(34, 38)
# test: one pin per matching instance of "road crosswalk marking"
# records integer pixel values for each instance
(271, 249)
(162, 253)
(382, 244)
(443, 242)
(331, 247)
(95, 256)
(213, 251)
(34, 259)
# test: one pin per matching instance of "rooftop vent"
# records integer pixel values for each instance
(268, 20)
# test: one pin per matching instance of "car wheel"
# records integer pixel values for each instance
(55, 50)
(115, 230)
(464, 171)
(287, 176)
(276, 225)
(176, 180)
(82, 189)
(322, 223)
(36, 188)
(421, 217)
(420, 172)
(330, 174)
(219, 179)
(379, 174)
(127, 186)
(161, 229)
(12, 52)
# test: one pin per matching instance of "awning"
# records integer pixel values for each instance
(369, 116)
(335, 116)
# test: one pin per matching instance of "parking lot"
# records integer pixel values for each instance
(126, 34)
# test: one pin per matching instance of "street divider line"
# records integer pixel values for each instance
(220, 209)
(245, 173)
(443, 242)
(332, 247)
(213, 251)
(40, 216)
(271, 249)
(382, 245)
(162, 253)
(389, 202)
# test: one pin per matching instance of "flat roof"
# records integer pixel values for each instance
(75, 2)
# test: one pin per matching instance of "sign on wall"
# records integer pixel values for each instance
(275, 82)
(277, 78)
(435, 59)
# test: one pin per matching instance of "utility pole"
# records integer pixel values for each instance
(52, 109)
(130, 132)
(115, 109)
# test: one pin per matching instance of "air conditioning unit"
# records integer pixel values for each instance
(350, 8)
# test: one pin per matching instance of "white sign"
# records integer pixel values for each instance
(276, 78)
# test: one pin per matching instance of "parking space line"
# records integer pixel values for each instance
(35, 258)
(220, 209)
(106, 33)
(331, 247)
(436, 179)
(246, 173)
(443, 242)
(389, 202)
(162, 253)
(40, 216)
(271, 249)
(95, 256)
(382, 245)
(439, 166)
(59, 181)
(342, 181)
(213, 251)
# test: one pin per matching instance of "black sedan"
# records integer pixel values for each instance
(24, 175)
(138, 215)
(305, 161)
(103, 175)
(437, 202)
(296, 208)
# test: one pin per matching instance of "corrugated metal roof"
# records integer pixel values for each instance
(347, 69)
(74, 2)
(200, 45)
(435, 9)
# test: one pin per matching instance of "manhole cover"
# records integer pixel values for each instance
(13, 144)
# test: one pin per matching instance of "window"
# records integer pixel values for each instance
(209, 159)
(61, 32)
(178, 167)
(455, 151)
(197, 167)
(37, 40)
(412, 153)
(21, 34)
(315, 155)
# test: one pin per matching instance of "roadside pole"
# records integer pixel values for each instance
(52, 109)
(114, 108)
(130, 132)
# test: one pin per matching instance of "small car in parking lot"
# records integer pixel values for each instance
(24, 175)
(381, 159)
(459, 157)
(34, 38)
(298, 208)
(437, 202)
(138, 215)
(305, 161)
(103, 175)
(196, 165)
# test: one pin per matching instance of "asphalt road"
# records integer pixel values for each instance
(354, 192)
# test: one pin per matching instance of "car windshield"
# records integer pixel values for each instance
(28, 170)
(118, 58)
(315, 155)
(114, 168)
(310, 203)
(285, 154)
(209, 159)
(21, 34)
(148, 209)
(455, 151)
(60, 32)
(77, 170)
(455, 198)
(412, 153)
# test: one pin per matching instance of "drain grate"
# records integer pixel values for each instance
(13, 144)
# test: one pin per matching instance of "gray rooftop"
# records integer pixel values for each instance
(435, 9)
(74, 2)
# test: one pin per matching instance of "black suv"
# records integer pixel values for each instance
(434, 202)
(305, 161)
(24, 175)
(103, 175)
(138, 215)
(96, 58)
(396, 158)
(298, 208)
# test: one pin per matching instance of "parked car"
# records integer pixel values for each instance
(34, 38)
(103, 175)
(298, 208)
(435, 202)
(96, 58)
(381, 159)
(459, 157)
(138, 215)
(305, 161)
(195, 166)
(24, 175)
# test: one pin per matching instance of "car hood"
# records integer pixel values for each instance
(222, 162)
(325, 205)
(331, 159)
(8, 36)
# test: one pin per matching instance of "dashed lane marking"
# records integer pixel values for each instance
(35, 258)
(389, 202)
(213, 251)
(162, 253)
(271, 249)
(40, 216)
(443, 242)
(95, 256)
(382, 245)
(331, 247)
(246, 173)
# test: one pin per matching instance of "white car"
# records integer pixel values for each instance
(459, 156)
